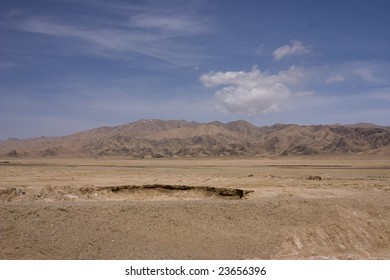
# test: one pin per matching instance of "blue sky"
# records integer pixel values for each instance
(66, 66)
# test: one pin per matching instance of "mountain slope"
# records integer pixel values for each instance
(158, 138)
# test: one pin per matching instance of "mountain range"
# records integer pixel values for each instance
(152, 138)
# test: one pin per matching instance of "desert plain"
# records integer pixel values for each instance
(294, 207)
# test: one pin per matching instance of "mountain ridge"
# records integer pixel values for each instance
(154, 138)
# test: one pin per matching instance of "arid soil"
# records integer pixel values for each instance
(314, 207)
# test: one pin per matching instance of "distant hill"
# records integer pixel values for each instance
(153, 138)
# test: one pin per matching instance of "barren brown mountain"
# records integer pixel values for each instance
(160, 139)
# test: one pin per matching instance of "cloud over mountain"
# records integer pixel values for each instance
(253, 92)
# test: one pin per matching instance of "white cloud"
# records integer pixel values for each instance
(295, 48)
(255, 91)
(334, 79)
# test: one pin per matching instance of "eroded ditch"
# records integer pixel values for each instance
(124, 192)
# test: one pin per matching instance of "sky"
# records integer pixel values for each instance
(72, 65)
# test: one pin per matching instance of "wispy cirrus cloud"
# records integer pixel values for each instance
(8, 64)
(155, 36)
(295, 48)
(14, 12)
(367, 72)
(179, 25)
(382, 94)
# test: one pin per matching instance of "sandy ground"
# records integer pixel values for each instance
(292, 208)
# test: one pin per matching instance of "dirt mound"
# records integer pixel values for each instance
(11, 193)
(125, 192)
